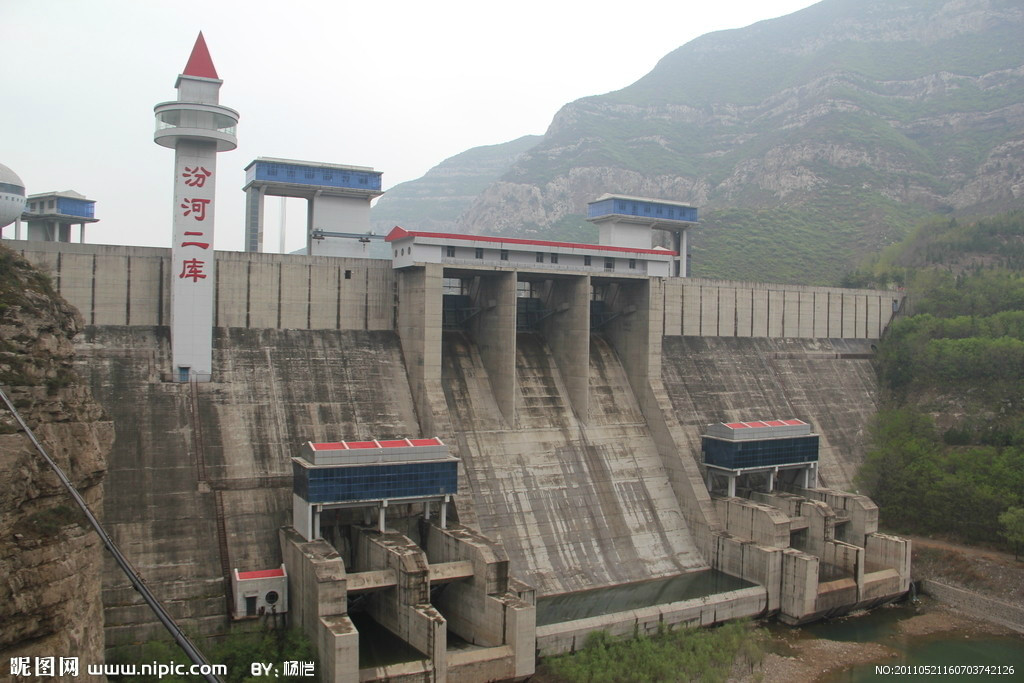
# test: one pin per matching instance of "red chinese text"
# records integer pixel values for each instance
(196, 177)
(201, 245)
(192, 268)
(195, 207)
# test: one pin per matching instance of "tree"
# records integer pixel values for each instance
(1013, 528)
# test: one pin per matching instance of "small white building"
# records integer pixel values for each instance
(260, 592)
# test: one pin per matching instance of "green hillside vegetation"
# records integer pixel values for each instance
(947, 453)
(809, 141)
(446, 190)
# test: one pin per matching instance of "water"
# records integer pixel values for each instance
(379, 646)
(948, 648)
(555, 609)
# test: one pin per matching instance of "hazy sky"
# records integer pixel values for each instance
(398, 86)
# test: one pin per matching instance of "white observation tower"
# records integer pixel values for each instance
(196, 127)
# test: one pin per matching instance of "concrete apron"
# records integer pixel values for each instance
(570, 636)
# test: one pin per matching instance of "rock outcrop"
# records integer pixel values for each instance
(808, 141)
(50, 560)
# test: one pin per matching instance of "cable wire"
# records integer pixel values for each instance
(133, 576)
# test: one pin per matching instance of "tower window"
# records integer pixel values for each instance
(449, 251)
(586, 259)
(348, 274)
(504, 254)
(540, 257)
(554, 258)
(609, 264)
(632, 264)
(479, 252)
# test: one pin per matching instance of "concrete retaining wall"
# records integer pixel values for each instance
(722, 308)
(570, 636)
(131, 286)
(976, 605)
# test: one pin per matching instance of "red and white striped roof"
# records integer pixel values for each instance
(758, 429)
(764, 423)
(390, 443)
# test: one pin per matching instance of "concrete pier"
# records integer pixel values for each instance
(494, 332)
(396, 577)
(567, 333)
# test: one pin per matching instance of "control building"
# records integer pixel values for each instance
(370, 474)
(338, 201)
(51, 215)
(768, 447)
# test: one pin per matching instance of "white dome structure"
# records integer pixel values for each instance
(12, 196)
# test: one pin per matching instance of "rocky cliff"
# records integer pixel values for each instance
(808, 141)
(50, 560)
(435, 201)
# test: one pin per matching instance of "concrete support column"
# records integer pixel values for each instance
(444, 513)
(568, 335)
(318, 590)
(405, 610)
(482, 609)
(732, 485)
(419, 328)
(636, 334)
(799, 586)
(494, 331)
(311, 221)
(254, 219)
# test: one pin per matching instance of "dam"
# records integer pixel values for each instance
(577, 428)
(447, 457)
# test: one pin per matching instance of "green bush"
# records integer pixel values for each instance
(684, 654)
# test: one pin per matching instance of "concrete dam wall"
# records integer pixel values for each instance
(829, 383)
(112, 285)
(577, 501)
(200, 475)
(579, 443)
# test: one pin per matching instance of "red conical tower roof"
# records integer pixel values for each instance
(199, 62)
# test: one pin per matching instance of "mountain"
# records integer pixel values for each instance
(435, 201)
(808, 141)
